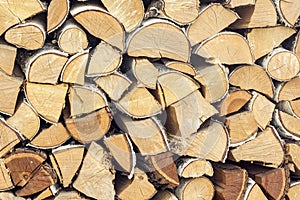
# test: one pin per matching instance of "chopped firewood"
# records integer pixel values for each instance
(213, 19)
(290, 107)
(7, 57)
(296, 45)
(214, 82)
(129, 13)
(138, 102)
(45, 66)
(114, 85)
(8, 139)
(147, 134)
(138, 185)
(197, 188)
(288, 11)
(145, 73)
(9, 89)
(63, 195)
(183, 67)
(237, 49)
(5, 180)
(175, 86)
(74, 69)
(85, 99)
(292, 149)
(292, 194)
(96, 166)
(252, 77)
(51, 137)
(230, 181)
(193, 107)
(266, 149)
(13, 12)
(251, 16)
(10, 196)
(146, 41)
(104, 59)
(67, 160)
(162, 195)
(253, 191)
(108, 28)
(90, 127)
(194, 167)
(44, 194)
(72, 39)
(47, 100)
(262, 109)
(263, 40)
(57, 13)
(234, 101)
(30, 35)
(121, 149)
(238, 3)
(288, 91)
(295, 106)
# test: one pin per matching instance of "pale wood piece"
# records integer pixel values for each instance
(292, 157)
(146, 41)
(104, 60)
(145, 73)
(230, 181)
(262, 14)
(91, 127)
(51, 137)
(238, 3)
(96, 166)
(234, 101)
(183, 67)
(8, 139)
(147, 134)
(7, 57)
(85, 99)
(121, 149)
(57, 13)
(288, 11)
(45, 66)
(294, 191)
(114, 85)
(44, 194)
(72, 39)
(266, 148)
(252, 77)
(30, 35)
(63, 195)
(163, 195)
(129, 13)
(254, 192)
(211, 20)
(47, 100)
(139, 186)
(290, 107)
(237, 49)
(13, 12)
(296, 46)
(295, 105)
(74, 69)
(10, 196)
(263, 40)
(214, 82)
(5, 180)
(189, 189)
(194, 167)
(107, 27)
(175, 86)
(281, 64)
(288, 91)
(68, 159)
(9, 89)
(193, 107)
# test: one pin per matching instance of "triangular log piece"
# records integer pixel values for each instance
(182, 67)
(288, 91)
(8, 139)
(44, 194)
(295, 105)
(293, 193)
(296, 46)
(164, 195)
(145, 73)
(57, 13)
(288, 11)
(253, 191)
(5, 180)
(292, 157)
(194, 167)
(7, 57)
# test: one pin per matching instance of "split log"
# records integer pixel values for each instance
(253, 191)
(57, 14)
(7, 57)
(47, 100)
(10, 196)
(96, 166)
(230, 181)
(213, 19)
(8, 139)
(194, 167)
(294, 107)
(189, 189)
(263, 40)
(63, 195)
(9, 89)
(288, 91)
(44, 194)
(238, 3)
(146, 41)
(66, 161)
(288, 12)
(30, 35)
(293, 193)
(238, 50)
(296, 45)
(5, 180)
(90, 127)
(145, 73)
(243, 77)
(182, 67)
(163, 195)
(293, 162)
(108, 27)
(251, 16)
(265, 149)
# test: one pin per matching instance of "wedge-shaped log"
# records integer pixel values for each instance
(288, 91)
(57, 13)
(293, 162)
(8, 140)
(5, 179)
(288, 11)
(194, 167)
(253, 191)
(7, 57)
(145, 73)
(164, 195)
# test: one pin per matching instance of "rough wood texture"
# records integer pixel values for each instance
(8, 139)
(7, 57)
(57, 13)
(288, 90)
(293, 192)
(254, 191)
(145, 73)
(5, 180)
(288, 11)
(193, 168)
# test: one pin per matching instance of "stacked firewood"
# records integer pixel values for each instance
(161, 99)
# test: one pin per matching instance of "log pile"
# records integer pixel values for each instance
(149, 99)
